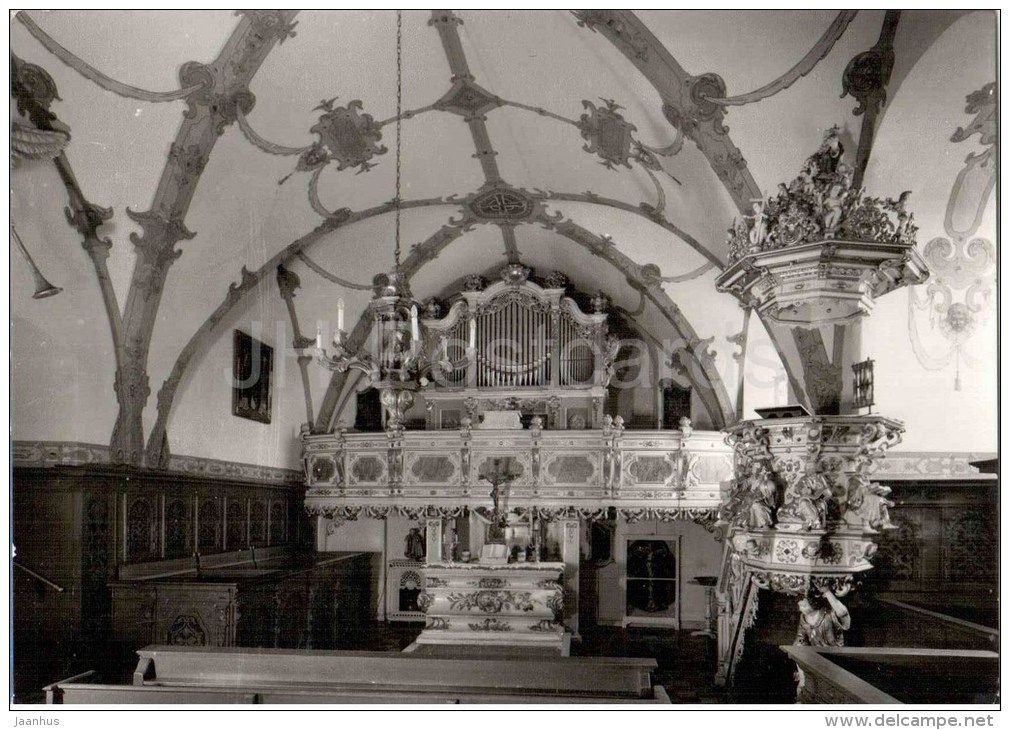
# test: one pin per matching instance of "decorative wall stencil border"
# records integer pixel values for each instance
(895, 465)
(71, 453)
(929, 465)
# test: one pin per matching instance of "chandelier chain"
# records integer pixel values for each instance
(399, 102)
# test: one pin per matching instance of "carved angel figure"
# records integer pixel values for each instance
(758, 230)
(823, 620)
(829, 154)
(806, 502)
(900, 207)
(31, 143)
(832, 208)
(867, 504)
(762, 497)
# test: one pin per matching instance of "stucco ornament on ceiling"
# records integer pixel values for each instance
(500, 203)
(607, 133)
(958, 299)
(349, 137)
(467, 99)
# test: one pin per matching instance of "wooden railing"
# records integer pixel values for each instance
(840, 675)
(664, 474)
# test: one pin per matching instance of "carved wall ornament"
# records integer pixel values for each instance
(222, 107)
(958, 299)
(866, 76)
(555, 280)
(186, 630)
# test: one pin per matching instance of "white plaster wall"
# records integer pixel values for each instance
(62, 358)
(202, 424)
(913, 152)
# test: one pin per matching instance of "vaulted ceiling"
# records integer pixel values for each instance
(585, 142)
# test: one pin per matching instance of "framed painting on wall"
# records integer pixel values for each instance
(653, 587)
(252, 369)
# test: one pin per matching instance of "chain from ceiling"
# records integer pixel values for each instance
(801, 69)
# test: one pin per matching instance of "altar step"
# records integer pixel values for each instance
(484, 651)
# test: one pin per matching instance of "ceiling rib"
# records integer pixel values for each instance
(683, 95)
(445, 22)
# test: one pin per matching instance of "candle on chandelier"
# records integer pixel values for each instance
(319, 338)
(340, 315)
(415, 330)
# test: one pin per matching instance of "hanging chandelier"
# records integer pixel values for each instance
(394, 367)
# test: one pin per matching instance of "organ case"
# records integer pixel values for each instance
(517, 346)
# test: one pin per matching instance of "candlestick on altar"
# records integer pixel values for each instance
(415, 330)
(319, 337)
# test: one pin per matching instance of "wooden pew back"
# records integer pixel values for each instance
(247, 669)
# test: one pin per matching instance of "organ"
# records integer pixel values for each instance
(516, 345)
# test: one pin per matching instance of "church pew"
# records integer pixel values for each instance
(371, 681)
(252, 669)
(84, 694)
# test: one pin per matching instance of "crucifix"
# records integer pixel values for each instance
(499, 476)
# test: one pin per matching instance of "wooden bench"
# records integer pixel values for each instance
(892, 675)
(166, 675)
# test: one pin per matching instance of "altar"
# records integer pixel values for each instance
(479, 604)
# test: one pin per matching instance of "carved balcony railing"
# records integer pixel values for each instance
(642, 474)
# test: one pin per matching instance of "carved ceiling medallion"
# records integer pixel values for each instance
(350, 138)
(608, 134)
(502, 204)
